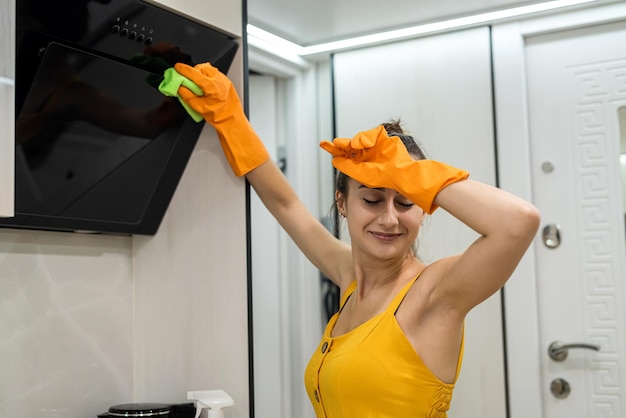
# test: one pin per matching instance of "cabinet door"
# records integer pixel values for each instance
(7, 109)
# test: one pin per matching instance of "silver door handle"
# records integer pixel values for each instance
(558, 350)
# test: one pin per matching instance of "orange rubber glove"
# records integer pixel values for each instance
(376, 160)
(220, 106)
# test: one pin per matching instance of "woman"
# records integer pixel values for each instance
(394, 349)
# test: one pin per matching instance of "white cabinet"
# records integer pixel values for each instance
(223, 15)
(7, 108)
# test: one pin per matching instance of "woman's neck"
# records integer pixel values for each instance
(374, 274)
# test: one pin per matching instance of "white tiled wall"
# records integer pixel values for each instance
(65, 324)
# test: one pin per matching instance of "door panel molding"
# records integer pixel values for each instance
(599, 89)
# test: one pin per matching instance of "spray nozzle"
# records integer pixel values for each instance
(213, 400)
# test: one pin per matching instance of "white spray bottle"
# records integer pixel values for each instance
(213, 400)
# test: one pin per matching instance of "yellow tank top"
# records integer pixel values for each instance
(373, 371)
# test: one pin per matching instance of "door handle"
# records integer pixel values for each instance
(558, 350)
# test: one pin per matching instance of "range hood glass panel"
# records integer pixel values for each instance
(98, 147)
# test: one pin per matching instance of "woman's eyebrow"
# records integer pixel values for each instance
(362, 186)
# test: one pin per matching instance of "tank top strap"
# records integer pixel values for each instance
(397, 300)
(346, 295)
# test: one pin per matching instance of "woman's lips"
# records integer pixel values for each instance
(385, 236)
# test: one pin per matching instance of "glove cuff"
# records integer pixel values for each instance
(424, 179)
(242, 147)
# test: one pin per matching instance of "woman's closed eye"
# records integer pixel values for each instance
(371, 202)
(375, 202)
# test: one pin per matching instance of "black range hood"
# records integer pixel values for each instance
(98, 147)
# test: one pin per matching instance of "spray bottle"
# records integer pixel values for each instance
(213, 400)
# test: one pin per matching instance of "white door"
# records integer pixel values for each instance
(576, 85)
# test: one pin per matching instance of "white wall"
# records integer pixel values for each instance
(66, 324)
(89, 321)
(223, 15)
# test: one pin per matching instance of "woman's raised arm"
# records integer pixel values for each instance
(220, 106)
(506, 224)
(331, 256)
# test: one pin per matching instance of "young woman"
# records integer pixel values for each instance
(394, 349)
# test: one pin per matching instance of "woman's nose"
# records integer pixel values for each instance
(389, 215)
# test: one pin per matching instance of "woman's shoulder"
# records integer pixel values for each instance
(438, 269)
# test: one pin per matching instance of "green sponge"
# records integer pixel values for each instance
(172, 80)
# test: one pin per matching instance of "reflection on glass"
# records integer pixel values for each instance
(83, 117)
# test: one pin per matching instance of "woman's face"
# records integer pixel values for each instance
(382, 223)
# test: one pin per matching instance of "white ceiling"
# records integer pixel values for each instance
(316, 21)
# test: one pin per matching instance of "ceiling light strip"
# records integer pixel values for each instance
(439, 26)
(277, 51)
(278, 42)
(281, 47)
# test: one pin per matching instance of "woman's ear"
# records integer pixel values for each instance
(340, 201)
